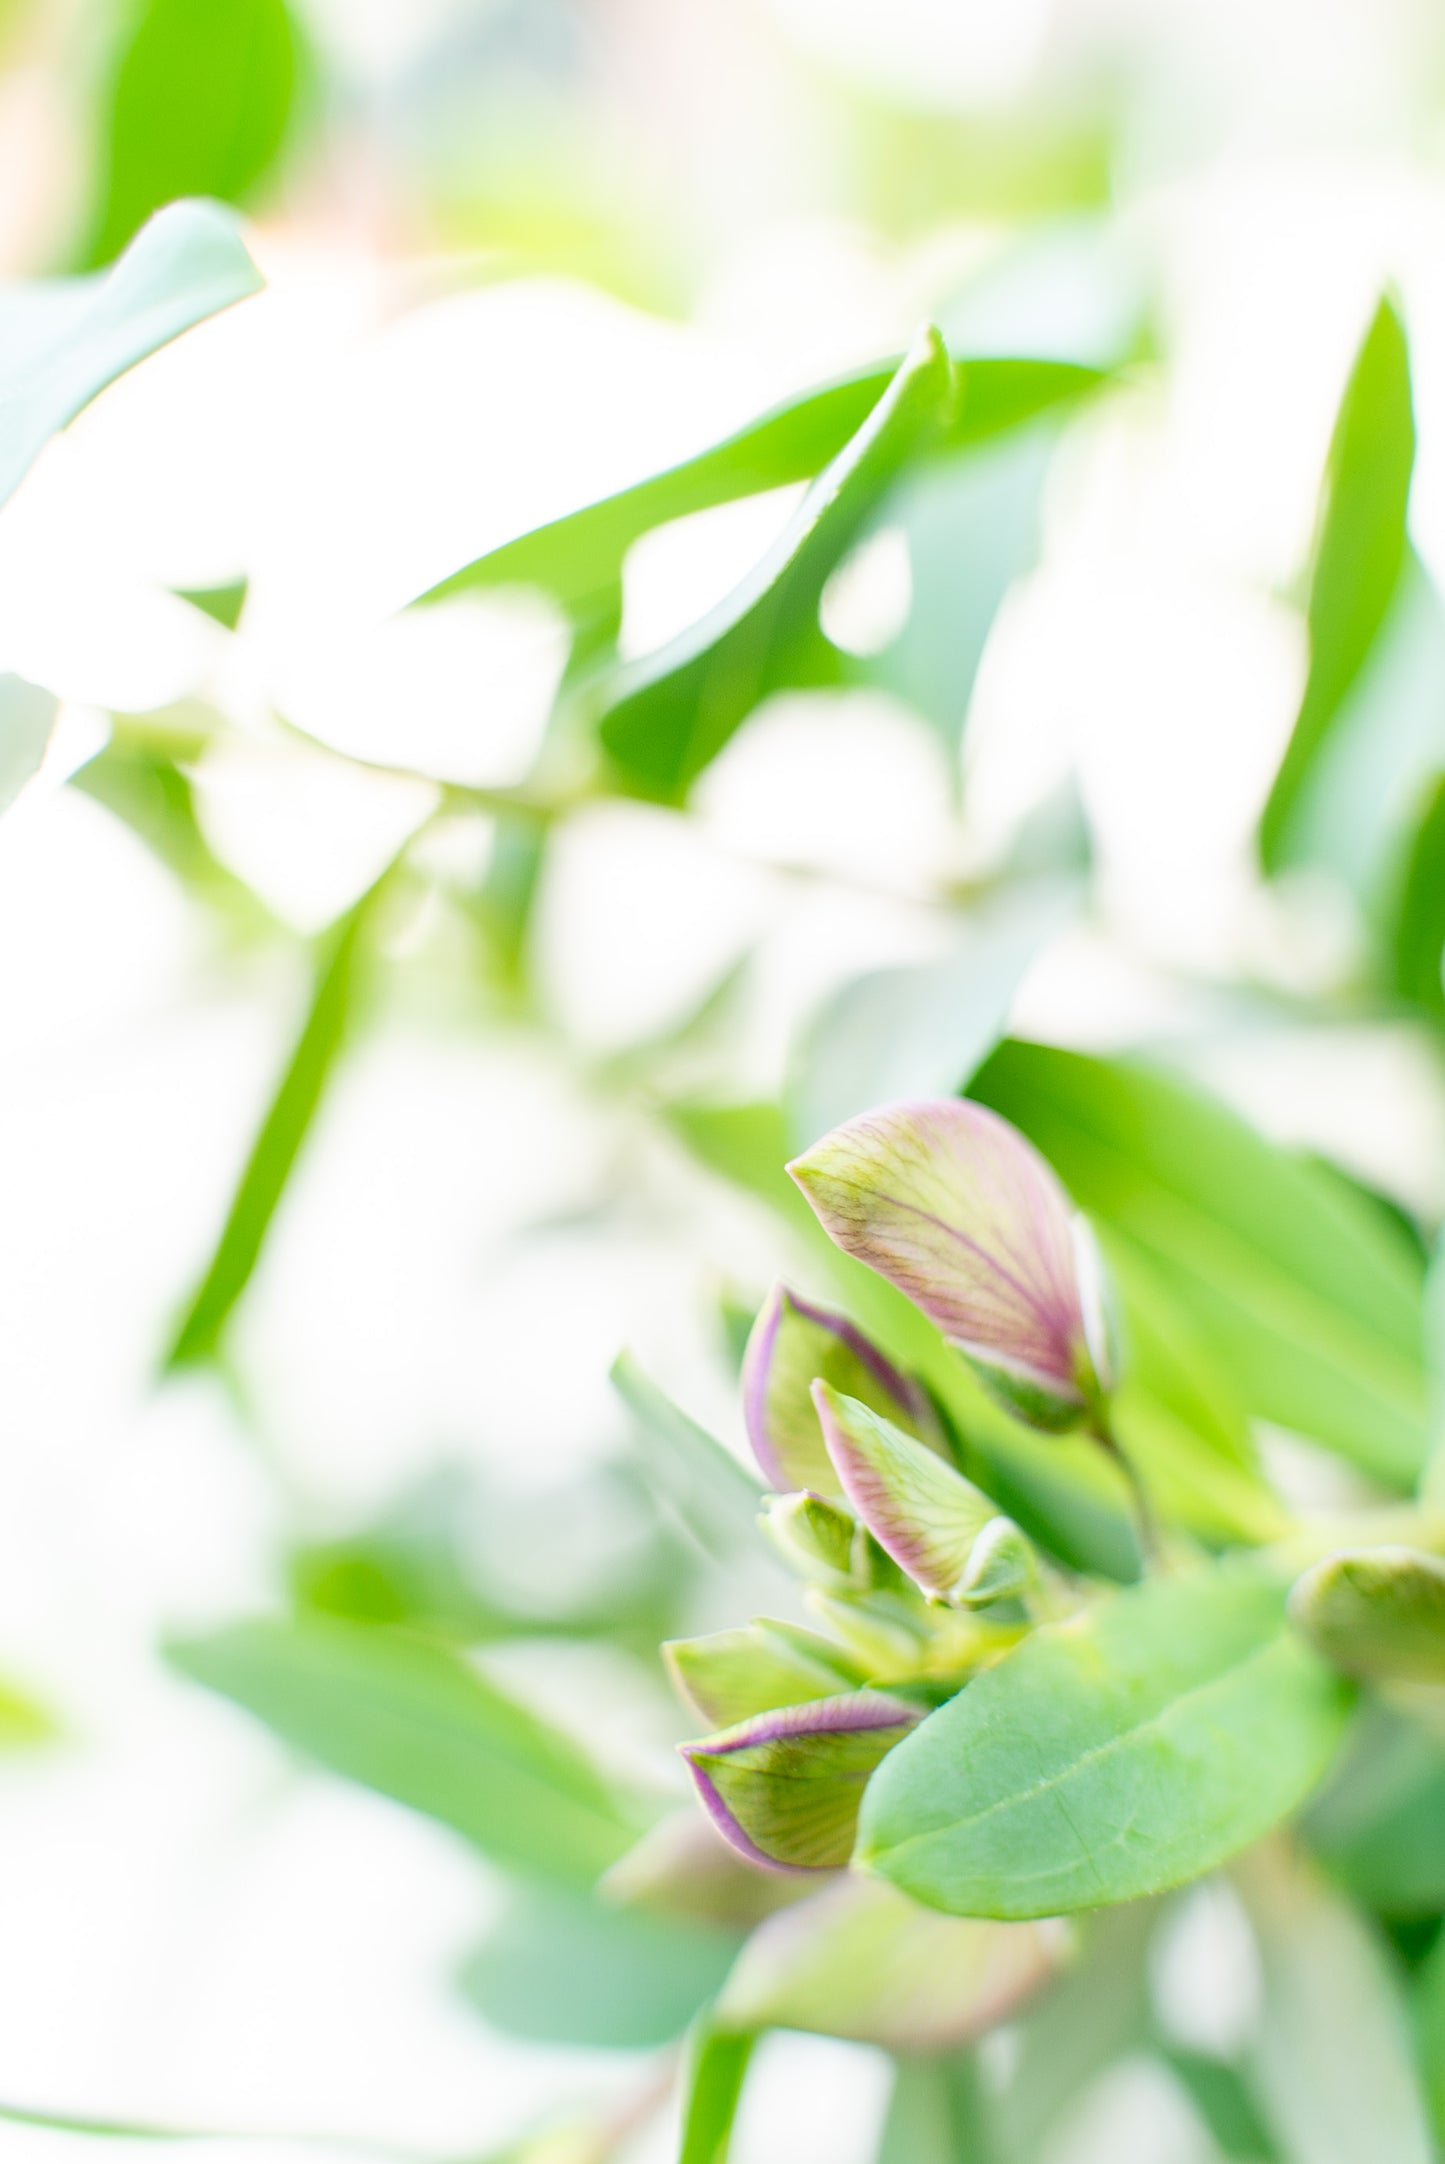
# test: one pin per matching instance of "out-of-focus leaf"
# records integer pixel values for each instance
(23, 1720)
(63, 340)
(138, 776)
(860, 1960)
(1225, 2103)
(664, 717)
(715, 1498)
(1096, 2014)
(919, 1031)
(684, 1872)
(198, 104)
(415, 1722)
(27, 716)
(1359, 551)
(1299, 1290)
(579, 557)
(1330, 2054)
(275, 1150)
(223, 604)
(938, 2114)
(1378, 1825)
(1108, 1757)
(1429, 2012)
(1418, 943)
(564, 1970)
(717, 2065)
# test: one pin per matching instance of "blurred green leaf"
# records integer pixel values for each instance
(579, 558)
(1429, 2012)
(223, 604)
(664, 717)
(701, 1483)
(1110, 1757)
(1097, 2014)
(938, 2114)
(62, 340)
(920, 1031)
(1360, 549)
(140, 779)
(1378, 1825)
(414, 1721)
(713, 2078)
(1330, 2053)
(27, 716)
(198, 104)
(1418, 941)
(1226, 2104)
(275, 1150)
(562, 1970)
(1301, 1292)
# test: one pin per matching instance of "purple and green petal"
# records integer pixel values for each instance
(785, 1788)
(792, 1344)
(730, 1675)
(951, 1204)
(920, 1511)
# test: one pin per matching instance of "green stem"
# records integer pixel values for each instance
(1145, 1521)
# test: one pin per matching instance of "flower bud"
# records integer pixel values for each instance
(816, 1538)
(951, 1204)
(730, 1675)
(1378, 1613)
(785, 1788)
(792, 1343)
(938, 1527)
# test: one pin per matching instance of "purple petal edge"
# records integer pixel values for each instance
(908, 1394)
(731, 1831)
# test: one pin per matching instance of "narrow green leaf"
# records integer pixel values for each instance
(223, 604)
(1330, 2056)
(1298, 1289)
(1418, 939)
(275, 1150)
(1114, 1755)
(198, 105)
(563, 1970)
(1376, 1824)
(1226, 2104)
(579, 557)
(664, 717)
(27, 716)
(713, 2080)
(1359, 551)
(1096, 2014)
(939, 2114)
(701, 1483)
(63, 340)
(414, 1721)
(1429, 2013)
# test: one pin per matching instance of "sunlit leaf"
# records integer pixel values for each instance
(1300, 1291)
(1359, 552)
(416, 1722)
(1114, 1755)
(63, 340)
(278, 1144)
(664, 717)
(564, 1970)
(198, 104)
(1330, 2050)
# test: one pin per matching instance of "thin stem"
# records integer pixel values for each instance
(1145, 1521)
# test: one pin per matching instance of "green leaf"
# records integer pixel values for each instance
(664, 717)
(1429, 2012)
(922, 1030)
(1359, 551)
(1114, 1755)
(416, 1722)
(139, 777)
(938, 2114)
(1300, 1291)
(63, 340)
(701, 1483)
(1376, 1824)
(1096, 2014)
(278, 1144)
(859, 1960)
(563, 1970)
(579, 558)
(198, 105)
(27, 716)
(1418, 935)
(1330, 2054)
(223, 604)
(713, 2078)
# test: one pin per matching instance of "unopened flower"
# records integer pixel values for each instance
(785, 1787)
(815, 1537)
(954, 1206)
(943, 1531)
(1377, 1613)
(792, 1344)
(730, 1675)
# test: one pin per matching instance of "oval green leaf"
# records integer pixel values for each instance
(1111, 1756)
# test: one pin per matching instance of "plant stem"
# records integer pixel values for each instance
(1146, 1524)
